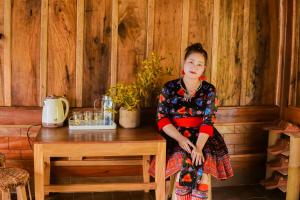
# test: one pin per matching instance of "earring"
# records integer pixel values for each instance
(182, 72)
(202, 78)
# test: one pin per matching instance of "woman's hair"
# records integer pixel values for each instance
(195, 48)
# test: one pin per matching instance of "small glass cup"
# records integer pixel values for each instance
(88, 117)
(77, 116)
(98, 117)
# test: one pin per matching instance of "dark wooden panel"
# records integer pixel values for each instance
(131, 38)
(25, 52)
(262, 56)
(61, 49)
(229, 61)
(167, 33)
(1, 52)
(96, 71)
(200, 27)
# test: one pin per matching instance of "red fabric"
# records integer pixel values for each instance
(207, 129)
(163, 122)
(188, 121)
(203, 187)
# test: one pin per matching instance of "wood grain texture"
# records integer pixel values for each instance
(230, 52)
(131, 38)
(200, 28)
(97, 49)
(297, 52)
(262, 56)
(61, 49)
(150, 26)
(293, 61)
(25, 54)
(7, 53)
(114, 42)
(1, 53)
(184, 28)
(167, 33)
(43, 51)
(79, 50)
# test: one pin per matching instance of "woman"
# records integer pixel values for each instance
(185, 117)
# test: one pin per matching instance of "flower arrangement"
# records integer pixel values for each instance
(145, 89)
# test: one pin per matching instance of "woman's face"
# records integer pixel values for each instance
(194, 65)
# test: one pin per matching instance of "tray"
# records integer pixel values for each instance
(93, 125)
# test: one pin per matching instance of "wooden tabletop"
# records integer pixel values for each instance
(64, 135)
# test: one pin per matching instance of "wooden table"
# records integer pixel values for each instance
(61, 142)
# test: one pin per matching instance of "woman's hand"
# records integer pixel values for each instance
(197, 156)
(186, 144)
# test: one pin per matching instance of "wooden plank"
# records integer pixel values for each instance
(79, 51)
(97, 47)
(150, 26)
(200, 28)
(280, 63)
(246, 15)
(184, 29)
(215, 42)
(114, 43)
(105, 187)
(292, 114)
(230, 52)
(263, 50)
(97, 162)
(1, 53)
(61, 49)
(131, 39)
(26, 17)
(7, 53)
(297, 52)
(167, 33)
(43, 51)
(225, 115)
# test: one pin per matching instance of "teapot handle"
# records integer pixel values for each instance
(67, 107)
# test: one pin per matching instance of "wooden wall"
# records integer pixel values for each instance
(79, 48)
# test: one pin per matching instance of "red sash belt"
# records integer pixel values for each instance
(188, 122)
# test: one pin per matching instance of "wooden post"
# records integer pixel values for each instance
(215, 42)
(114, 43)
(39, 172)
(160, 171)
(43, 50)
(7, 53)
(293, 185)
(79, 51)
(146, 165)
(150, 27)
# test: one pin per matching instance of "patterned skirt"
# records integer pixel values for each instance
(217, 160)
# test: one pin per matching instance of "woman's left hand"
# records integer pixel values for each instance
(197, 156)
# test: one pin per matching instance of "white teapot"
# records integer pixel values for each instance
(54, 114)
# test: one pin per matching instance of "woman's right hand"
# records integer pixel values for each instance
(186, 144)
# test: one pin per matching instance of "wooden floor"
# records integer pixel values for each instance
(253, 192)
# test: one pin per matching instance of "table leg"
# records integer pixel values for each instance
(39, 171)
(47, 172)
(146, 176)
(160, 171)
